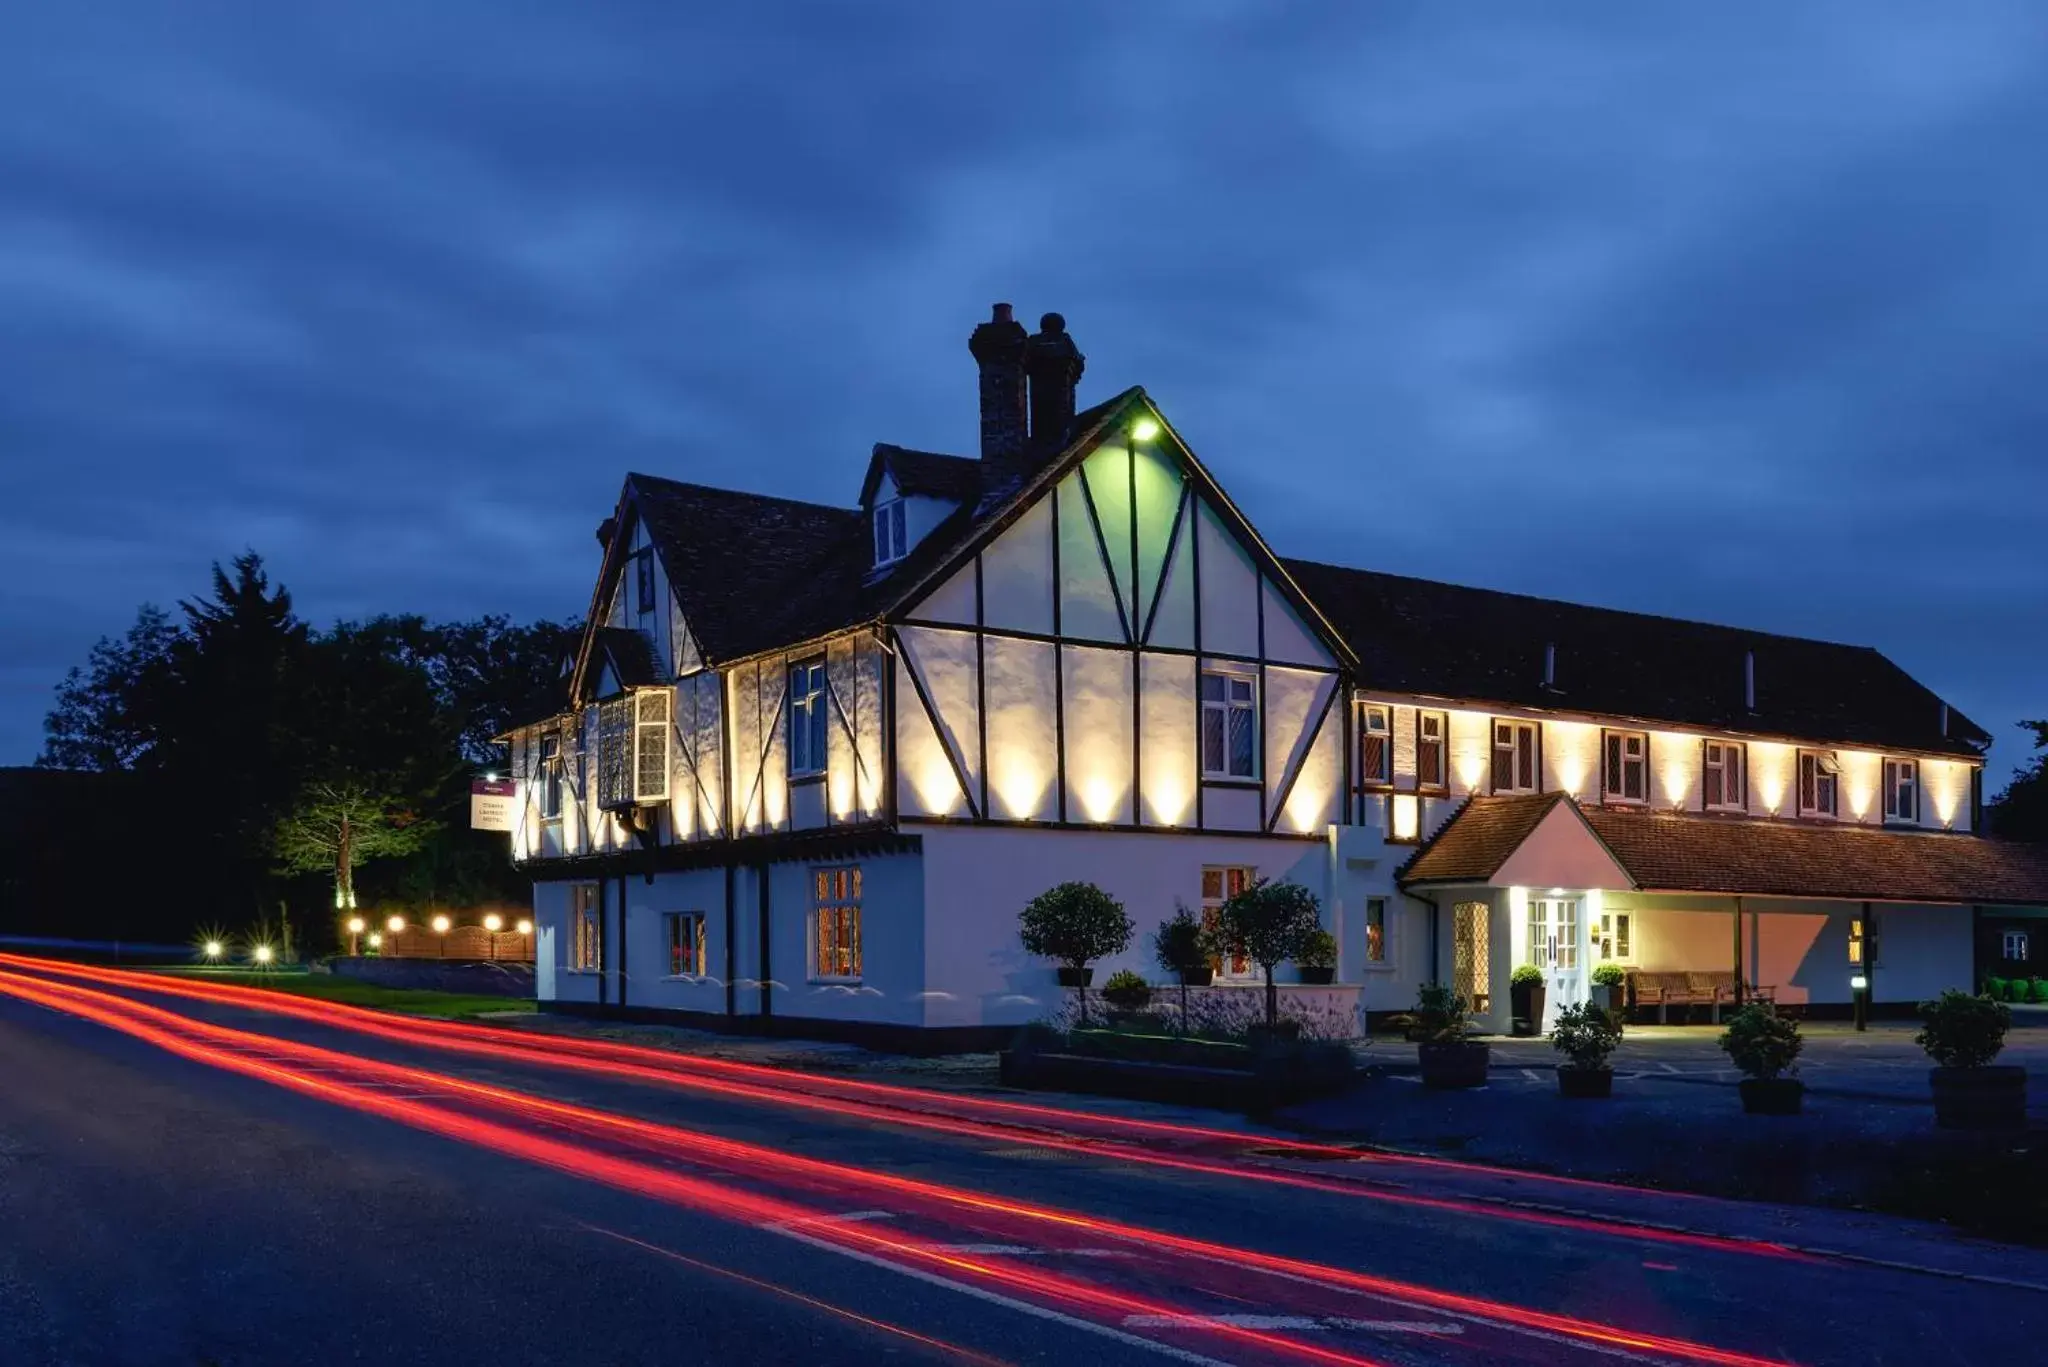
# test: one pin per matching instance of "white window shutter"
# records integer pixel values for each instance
(651, 745)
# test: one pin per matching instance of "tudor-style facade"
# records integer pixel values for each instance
(814, 759)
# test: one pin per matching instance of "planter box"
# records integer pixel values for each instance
(1771, 1095)
(1585, 1082)
(1453, 1063)
(1525, 1004)
(1608, 999)
(1988, 1098)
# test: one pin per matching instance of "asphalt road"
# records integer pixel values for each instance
(265, 1203)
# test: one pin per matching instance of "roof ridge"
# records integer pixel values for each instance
(639, 476)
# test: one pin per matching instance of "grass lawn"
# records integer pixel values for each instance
(335, 988)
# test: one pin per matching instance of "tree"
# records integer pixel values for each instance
(1269, 923)
(106, 717)
(1074, 924)
(1181, 947)
(2021, 811)
(496, 675)
(335, 827)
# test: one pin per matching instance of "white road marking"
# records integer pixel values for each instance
(1531, 1074)
(1290, 1322)
(1395, 1326)
(1666, 1067)
(850, 1217)
(1007, 1302)
(1026, 1251)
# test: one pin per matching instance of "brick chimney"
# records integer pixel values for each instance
(1054, 364)
(998, 348)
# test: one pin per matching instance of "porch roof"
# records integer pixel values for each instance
(1680, 852)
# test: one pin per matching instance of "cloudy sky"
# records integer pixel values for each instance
(1731, 311)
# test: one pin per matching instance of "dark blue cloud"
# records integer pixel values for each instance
(1729, 312)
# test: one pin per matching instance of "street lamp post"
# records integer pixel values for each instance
(355, 936)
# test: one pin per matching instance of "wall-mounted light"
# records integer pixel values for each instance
(1144, 429)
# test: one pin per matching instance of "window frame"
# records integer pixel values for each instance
(644, 596)
(2015, 935)
(1227, 706)
(549, 772)
(1384, 734)
(1614, 749)
(813, 702)
(1212, 910)
(837, 892)
(1739, 752)
(671, 922)
(1827, 772)
(1901, 772)
(1383, 961)
(1441, 745)
(890, 532)
(586, 912)
(1517, 726)
(1610, 931)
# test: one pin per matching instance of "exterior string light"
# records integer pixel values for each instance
(494, 923)
(395, 925)
(441, 924)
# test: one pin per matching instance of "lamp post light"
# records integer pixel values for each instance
(355, 931)
(262, 954)
(213, 949)
(494, 923)
(441, 925)
(1860, 986)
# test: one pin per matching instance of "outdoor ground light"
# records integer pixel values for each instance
(494, 922)
(395, 924)
(213, 949)
(261, 954)
(441, 924)
(376, 940)
(525, 927)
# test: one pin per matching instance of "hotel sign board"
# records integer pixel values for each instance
(490, 804)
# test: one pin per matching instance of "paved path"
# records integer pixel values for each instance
(157, 1205)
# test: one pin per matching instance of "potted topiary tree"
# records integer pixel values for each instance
(1448, 1056)
(1585, 1034)
(1527, 993)
(1073, 924)
(1962, 1034)
(1316, 960)
(1610, 985)
(1765, 1046)
(1181, 947)
(1268, 923)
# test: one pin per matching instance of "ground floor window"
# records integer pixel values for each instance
(835, 895)
(2016, 945)
(1220, 883)
(1472, 954)
(1617, 937)
(584, 947)
(1856, 945)
(1375, 930)
(685, 944)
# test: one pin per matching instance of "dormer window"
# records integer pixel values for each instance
(891, 544)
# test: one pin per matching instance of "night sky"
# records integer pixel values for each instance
(1729, 311)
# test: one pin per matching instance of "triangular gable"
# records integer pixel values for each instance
(1125, 575)
(1562, 852)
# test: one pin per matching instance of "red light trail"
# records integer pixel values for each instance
(183, 1035)
(906, 1106)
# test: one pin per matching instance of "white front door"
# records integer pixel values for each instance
(1556, 926)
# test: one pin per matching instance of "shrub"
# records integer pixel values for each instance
(2022, 990)
(2041, 991)
(1963, 1031)
(1585, 1034)
(1994, 988)
(1268, 924)
(1440, 1014)
(1610, 975)
(1179, 945)
(1526, 973)
(1318, 950)
(1761, 1042)
(1127, 990)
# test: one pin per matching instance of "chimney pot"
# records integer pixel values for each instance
(1054, 365)
(1001, 314)
(998, 347)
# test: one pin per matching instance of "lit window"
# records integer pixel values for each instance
(1625, 775)
(1219, 885)
(1617, 937)
(1721, 785)
(685, 944)
(1230, 726)
(1375, 930)
(551, 777)
(1514, 757)
(1430, 770)
(1857, 948)
(584, 948)
(643, 579)
(1901, 790)
(2016, 946)
(1554, 932)
(835, 895)
(890, 545)
(807, 719)
(1376, 746)
(1820, 783)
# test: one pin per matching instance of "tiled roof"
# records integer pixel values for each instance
(631, 656)
(927, 474)
(1676, 852)
(1479, 838)
(1444, 640)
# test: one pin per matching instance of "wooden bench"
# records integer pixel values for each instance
(1666, 990)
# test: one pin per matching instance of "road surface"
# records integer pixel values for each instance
(185, 1179)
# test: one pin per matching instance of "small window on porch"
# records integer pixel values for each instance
(2015, 946)
(1617, 937)
(1376, 746)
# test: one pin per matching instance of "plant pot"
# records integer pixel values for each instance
(1075, 977)
(1993, 1097)
(1198, 977)
(1585, 1082)
(1453, 1063)
(1608, 999)
(1317, 976)
(1525, 1003)
(1771, 1095)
